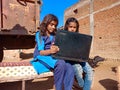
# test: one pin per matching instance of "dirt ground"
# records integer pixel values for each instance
(105, 78)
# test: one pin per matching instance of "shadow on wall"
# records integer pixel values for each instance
(38, 84)
(109, 84)
(26, 55)
(20, 28)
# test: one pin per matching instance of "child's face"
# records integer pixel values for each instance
(51, 27)
(72, 27)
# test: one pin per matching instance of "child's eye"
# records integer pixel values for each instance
(51, 24)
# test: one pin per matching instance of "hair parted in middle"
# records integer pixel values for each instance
(71, 19)
(46, 21)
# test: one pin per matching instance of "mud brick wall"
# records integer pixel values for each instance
(118, 76)
(18, 55)
(101, 19)
(11, 55)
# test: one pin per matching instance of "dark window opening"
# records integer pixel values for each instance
(75, 11)
(100, 37)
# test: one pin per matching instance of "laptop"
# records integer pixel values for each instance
(73, 46)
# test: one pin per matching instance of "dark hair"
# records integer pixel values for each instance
(71, 19)
(47, 19)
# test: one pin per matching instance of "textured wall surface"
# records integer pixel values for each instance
(101, 19)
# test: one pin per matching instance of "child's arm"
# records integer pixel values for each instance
(53, 49)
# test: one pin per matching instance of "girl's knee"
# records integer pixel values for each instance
(69, 68)
(77, 68)
(60, 64)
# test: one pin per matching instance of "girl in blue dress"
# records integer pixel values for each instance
(72, 25)
(43, 61)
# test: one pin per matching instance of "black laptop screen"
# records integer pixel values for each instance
(73, 46)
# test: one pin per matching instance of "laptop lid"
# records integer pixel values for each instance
(72, 46)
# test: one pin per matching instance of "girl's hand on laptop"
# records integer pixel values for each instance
(54, 49)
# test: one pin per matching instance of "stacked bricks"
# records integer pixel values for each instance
(101, 19)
